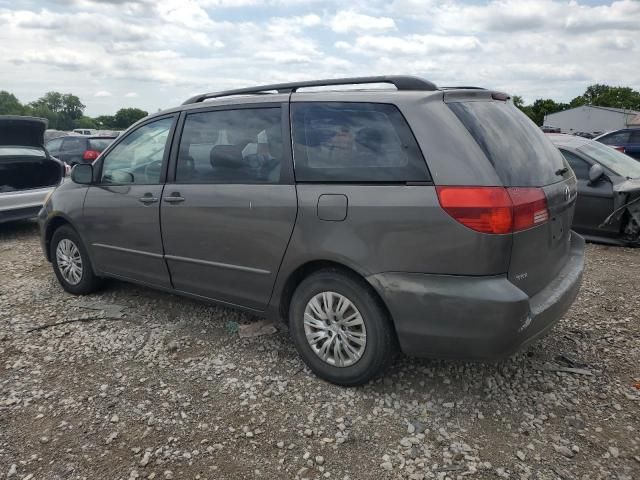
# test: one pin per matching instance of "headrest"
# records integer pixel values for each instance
(226, 156)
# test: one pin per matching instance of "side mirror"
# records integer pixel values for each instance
(82, 174)
(596, 172)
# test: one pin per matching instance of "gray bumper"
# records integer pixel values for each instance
(448, 316)
(21, 205)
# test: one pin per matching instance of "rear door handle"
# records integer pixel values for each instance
(174, 198)
(147, 199)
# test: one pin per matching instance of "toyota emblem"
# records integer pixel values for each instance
(567, 193)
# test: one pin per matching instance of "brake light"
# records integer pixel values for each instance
(495, 210)
(620, 149)
(90, 155)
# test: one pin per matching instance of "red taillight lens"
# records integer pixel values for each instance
(495, 209)
(620, 149)
(90, 155)
(483, 209)
(529, 207)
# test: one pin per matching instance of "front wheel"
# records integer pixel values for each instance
(340, 329)
(71, 262)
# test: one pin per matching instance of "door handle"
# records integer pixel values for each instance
(174, 198)
(147, 199)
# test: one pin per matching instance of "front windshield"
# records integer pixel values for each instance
(618, 162)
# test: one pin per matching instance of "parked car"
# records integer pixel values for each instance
(75, 149)
(27, 172)
(608, 182)
(433, 219)
(548, 129)
(626, 140)
(84, 131)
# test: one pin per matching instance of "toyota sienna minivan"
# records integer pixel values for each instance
(431, 220)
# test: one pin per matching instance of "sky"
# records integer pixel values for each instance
(154, 54)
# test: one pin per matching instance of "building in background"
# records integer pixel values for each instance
(592, 119)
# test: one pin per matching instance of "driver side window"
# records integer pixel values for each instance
(137, 159)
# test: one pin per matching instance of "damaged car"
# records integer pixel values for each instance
(608, 205)
(28, 173)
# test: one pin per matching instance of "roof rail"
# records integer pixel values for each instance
(401, 82)
(463, 87)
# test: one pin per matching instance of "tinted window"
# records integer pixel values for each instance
(354, 142)
(616, 138)
(231, 146)
(70, 144)
(578, 165)
(54, 144)
(99, 144)
(138, 157)
(635, 136)
(520, 153)
(618, 162)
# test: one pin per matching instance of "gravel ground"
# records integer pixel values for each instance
(143, 384)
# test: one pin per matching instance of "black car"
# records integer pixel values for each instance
(608, 206)
(74, 149)
(626, 140)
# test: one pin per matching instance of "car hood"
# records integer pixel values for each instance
(22, 131)
(628, 186)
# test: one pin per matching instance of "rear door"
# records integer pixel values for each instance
(230, 206)
(526, 161)
(121, 215)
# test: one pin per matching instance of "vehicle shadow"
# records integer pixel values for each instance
(18, 229)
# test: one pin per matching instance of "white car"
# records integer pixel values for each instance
(27, 172)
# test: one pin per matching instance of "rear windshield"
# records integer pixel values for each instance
(520, 153)
(99, 144)
(22, 152)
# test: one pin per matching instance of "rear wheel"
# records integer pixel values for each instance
(71, 262)
(340, 329)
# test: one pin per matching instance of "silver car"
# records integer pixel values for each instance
(428, 219)
(27, 172)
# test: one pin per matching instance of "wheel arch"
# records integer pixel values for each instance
(306, 269)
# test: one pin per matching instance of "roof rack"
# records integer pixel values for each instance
(401, 82)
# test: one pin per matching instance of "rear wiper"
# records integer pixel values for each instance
(562, 171)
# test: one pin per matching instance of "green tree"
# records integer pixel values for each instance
(126, 117)
(85, 122)
(105, 121)
(60, 109)
(10, 105)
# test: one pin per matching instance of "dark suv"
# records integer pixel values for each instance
(436, 220)
(626, 140)
(74, 149)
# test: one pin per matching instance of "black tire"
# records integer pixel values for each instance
(89, 282)
(380, 337)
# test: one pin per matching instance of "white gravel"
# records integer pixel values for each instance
(148, 385)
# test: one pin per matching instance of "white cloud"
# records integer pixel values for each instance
(102, 93)
(350, 21)
(130, 95)
(166, 50)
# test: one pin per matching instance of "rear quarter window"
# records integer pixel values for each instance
(518, 150)
(99, 144)
(354, 142)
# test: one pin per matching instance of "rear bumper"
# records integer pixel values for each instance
(448, 316)
(22, 204)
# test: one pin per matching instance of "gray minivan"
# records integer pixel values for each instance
(433, 220)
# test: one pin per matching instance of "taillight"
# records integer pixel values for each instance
(620, 149)
(90, 155)
(495, 209)
(529, 207)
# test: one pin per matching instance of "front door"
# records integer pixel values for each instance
(229, 212)
(122, 211)
(594, 202)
